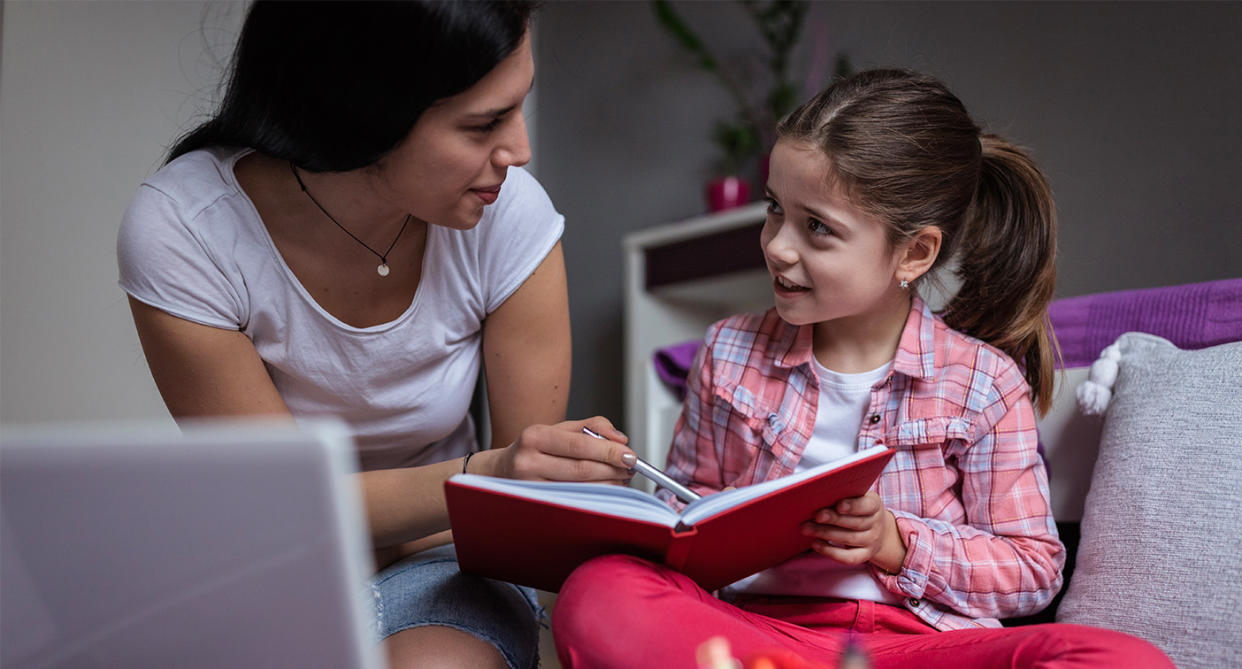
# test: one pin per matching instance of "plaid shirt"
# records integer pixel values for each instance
(966, 484)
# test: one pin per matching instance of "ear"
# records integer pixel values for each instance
(917, 255)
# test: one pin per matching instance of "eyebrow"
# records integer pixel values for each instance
(495, 113)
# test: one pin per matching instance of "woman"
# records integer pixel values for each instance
(346, 237)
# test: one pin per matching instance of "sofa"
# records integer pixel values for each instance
(1144, 450)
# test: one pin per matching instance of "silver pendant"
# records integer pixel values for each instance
(382, 270)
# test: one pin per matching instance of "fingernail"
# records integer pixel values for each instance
(629, 460)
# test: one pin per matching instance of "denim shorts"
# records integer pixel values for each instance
(429, 589)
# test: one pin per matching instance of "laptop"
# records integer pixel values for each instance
(221, 544)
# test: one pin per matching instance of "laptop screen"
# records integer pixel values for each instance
(221, 544)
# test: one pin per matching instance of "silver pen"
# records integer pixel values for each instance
(655, 475)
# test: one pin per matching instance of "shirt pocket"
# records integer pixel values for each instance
(750, 436)
(930, 441)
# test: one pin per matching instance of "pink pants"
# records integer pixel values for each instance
(625, 612)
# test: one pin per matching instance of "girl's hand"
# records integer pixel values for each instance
(856, 531)
(562, 452)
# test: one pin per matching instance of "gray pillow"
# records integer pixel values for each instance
(1161, 551)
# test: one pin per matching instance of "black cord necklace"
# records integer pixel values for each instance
(382, 270)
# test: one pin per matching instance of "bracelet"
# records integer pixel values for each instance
(466, 461)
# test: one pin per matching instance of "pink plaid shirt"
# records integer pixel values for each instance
(966, 483)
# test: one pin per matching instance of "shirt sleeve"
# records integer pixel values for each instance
(1006, 559)
(164, 263)
(524, 227)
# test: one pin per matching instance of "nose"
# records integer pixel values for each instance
(514, 146)
(778, 246)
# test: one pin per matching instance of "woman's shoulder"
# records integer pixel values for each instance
(195, 195)
(521, 194)
(522, 211)
(197, 179)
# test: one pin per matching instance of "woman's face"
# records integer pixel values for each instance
(454, 160)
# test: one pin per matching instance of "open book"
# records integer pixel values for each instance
(535, 533)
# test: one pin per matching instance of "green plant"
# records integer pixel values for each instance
(751, 130)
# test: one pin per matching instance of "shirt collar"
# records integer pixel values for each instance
(916, 352)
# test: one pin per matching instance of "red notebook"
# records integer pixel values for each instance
(535, 533)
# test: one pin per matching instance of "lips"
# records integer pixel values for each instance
(487, 195)
(787, 288)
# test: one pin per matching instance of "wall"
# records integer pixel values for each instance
(90, 94)
(1133, 109)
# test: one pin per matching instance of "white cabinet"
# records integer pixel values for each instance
(679, 278)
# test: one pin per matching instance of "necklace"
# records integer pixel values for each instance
(382, 270)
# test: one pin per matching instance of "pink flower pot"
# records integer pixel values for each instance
(726, 193)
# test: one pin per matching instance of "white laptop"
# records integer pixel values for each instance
(220, 545)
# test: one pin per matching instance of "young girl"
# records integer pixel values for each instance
(873, 183)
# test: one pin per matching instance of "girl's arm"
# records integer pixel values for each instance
(1004, 559)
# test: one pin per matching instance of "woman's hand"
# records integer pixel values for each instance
(561, 452)
(856, 531)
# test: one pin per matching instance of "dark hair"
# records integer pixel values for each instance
(333, 86)
(905, 150)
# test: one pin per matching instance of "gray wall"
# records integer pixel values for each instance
(90, 95)
(1134, 111)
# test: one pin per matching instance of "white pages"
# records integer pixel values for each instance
(622, 502)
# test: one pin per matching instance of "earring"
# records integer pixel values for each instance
(905, 285)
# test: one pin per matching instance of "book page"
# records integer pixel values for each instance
(601, 498)
(711, 505)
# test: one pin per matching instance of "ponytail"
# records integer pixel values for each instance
(1007, 265)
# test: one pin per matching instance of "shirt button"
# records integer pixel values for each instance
(914, 603)
(875, 418)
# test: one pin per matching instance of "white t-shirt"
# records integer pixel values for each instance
(843, 401)
(193, 245)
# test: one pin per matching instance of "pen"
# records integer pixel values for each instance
(655, 475)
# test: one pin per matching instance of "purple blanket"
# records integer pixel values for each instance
(1194, 315)
(672, 364)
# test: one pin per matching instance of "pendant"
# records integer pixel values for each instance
(382, 270)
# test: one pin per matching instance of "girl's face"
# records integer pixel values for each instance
(454, 160)
(830, 261)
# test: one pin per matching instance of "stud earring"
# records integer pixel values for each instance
(905, 285)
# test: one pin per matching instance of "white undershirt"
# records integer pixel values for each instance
(843, 401)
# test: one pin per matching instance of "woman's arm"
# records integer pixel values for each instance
(206, 371)
(202, 370)
(526, 362)
(527, 353)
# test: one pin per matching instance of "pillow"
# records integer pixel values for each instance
(1161, 551)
